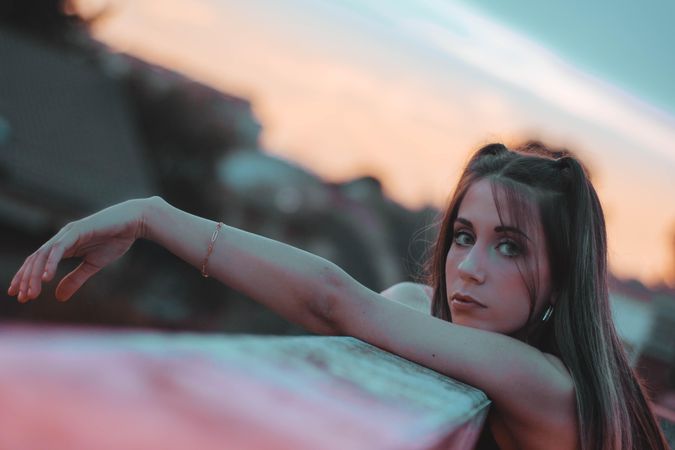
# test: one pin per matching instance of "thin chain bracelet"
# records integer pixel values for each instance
(208, 252)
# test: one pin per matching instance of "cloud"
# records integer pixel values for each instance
(505, 54)
(406, 94)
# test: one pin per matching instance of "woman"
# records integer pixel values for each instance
(517, 295)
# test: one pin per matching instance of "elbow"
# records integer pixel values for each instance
(325, 304)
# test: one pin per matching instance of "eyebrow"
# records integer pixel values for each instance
(498, 229)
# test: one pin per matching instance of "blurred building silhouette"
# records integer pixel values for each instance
(69, 143)
(82, 128)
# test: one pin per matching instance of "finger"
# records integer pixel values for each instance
(63, 247)
(53, 259)
(16, 281)
(14, 286)
(25, 276)
(35, 275)
(29, 286)
(74, 280)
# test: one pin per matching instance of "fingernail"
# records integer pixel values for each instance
(44, 274)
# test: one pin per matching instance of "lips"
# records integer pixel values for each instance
(466, 299)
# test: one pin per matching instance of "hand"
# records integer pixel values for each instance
(98, 239)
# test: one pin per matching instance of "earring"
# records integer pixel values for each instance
(548, 313)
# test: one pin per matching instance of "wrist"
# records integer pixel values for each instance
(148, 211)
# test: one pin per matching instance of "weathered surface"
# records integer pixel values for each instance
(80, 388)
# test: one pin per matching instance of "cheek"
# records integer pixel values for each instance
(513, 295)
(451, 263)
(513, 282)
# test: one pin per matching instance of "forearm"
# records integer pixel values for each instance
(290, 281)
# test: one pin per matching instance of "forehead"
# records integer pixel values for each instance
(479, 204)
(500, 205)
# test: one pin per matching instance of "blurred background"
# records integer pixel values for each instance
(337, 127)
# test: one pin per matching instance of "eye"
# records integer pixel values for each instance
(463, 238)
(509, 248)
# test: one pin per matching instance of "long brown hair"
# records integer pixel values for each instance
(612, 406)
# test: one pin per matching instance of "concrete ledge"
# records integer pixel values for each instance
(83, 388)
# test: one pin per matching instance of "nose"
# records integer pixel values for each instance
(470, 268)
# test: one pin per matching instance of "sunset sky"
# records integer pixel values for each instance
(406, 90)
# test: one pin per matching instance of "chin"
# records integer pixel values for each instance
(471, 322)
(460, 319)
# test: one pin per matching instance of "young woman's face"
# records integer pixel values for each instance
(485, 289)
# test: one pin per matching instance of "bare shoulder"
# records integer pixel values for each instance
(535, 425)
(558, 364)
(413, 295)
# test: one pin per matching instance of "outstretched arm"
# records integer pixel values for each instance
(283, 278)
(286, 279)
(308, 290)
